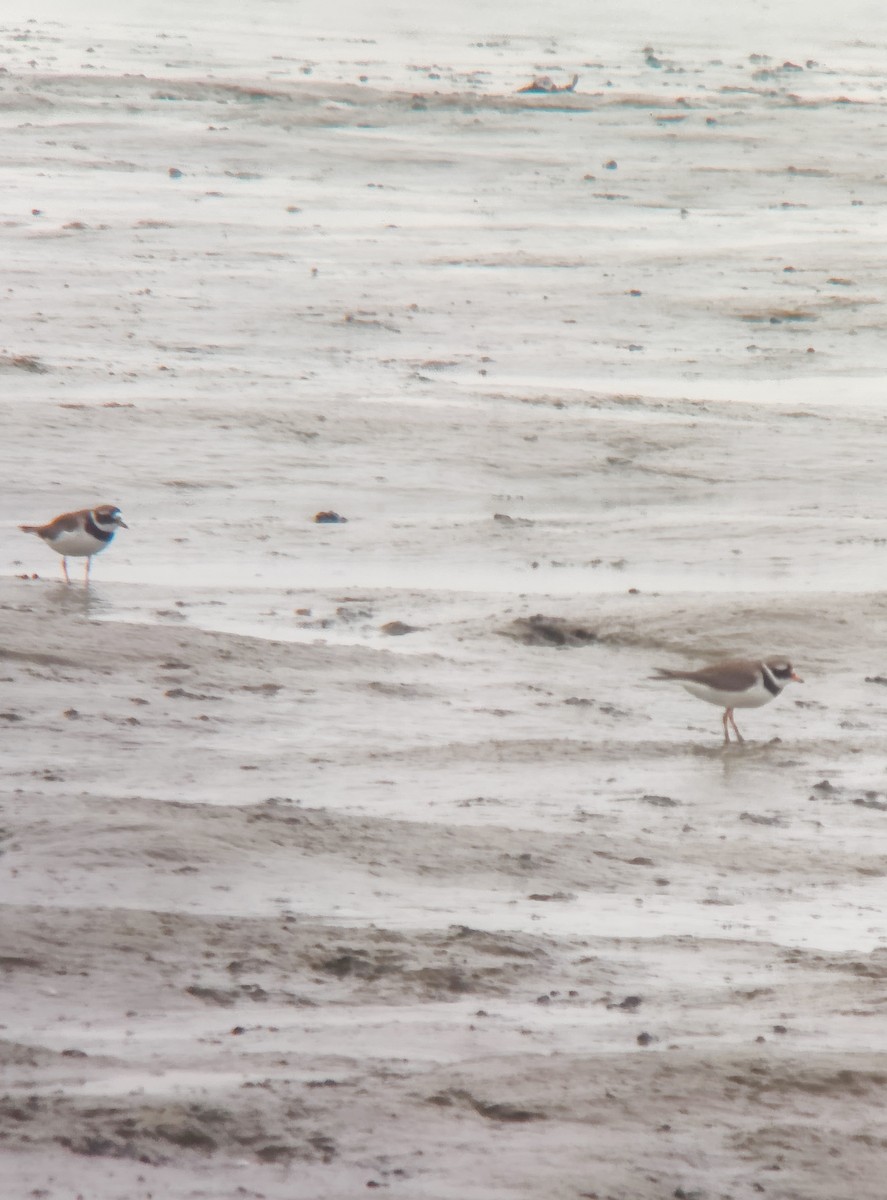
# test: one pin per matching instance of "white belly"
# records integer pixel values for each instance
(753, 698)
(75, 543)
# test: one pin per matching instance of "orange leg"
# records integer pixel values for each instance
(88, 565)
(729, 713)
(65, 569)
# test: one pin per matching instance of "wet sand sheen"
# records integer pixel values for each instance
(293, 899)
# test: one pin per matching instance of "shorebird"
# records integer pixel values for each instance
(740, 683)
(80, 534)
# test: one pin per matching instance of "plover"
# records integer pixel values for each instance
(740, 683)
(80, 534)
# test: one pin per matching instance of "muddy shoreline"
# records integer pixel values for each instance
(367, 855)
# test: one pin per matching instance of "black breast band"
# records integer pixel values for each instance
(100, 535)
(769, 682)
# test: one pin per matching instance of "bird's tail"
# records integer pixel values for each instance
(664, 673)
(29, 528)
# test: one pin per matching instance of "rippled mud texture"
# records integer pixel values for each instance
(357, 853)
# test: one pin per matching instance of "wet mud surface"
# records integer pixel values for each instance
(364, 853)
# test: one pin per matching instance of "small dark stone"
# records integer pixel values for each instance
(868, 801)
(211, 995)
(398, 628)
(505, 519)
(329, 518)
(504, 1111)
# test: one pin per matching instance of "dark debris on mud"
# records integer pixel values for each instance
(540, 630)
(262, 1128)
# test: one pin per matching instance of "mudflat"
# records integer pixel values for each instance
(365, 853)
